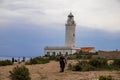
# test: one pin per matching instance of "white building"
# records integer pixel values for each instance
(69, 47)
(59, 50)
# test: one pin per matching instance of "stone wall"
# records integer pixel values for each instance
(108, 55)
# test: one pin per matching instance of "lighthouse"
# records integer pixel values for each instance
(70, 31)
(69, 47)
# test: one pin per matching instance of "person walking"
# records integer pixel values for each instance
(62, 62)
(13, 60)
(23, 59)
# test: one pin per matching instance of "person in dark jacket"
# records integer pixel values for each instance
(13, 60)
(62, 63)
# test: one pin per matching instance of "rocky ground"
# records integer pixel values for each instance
(50, 71)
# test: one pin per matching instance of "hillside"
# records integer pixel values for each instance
(50, 71)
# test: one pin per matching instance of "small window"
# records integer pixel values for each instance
(66, 53)
(48, 53)
(59, 53)
(54, 53)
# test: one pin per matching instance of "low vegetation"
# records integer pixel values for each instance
(94, 64)
(53, 57)
(5, 62)
(81, 66)
(20, 73)
(116, 63)
(37, 60)
(108, 77)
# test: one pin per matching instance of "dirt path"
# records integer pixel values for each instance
(50, 71)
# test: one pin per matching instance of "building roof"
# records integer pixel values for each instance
(58, 48)
(87, 49)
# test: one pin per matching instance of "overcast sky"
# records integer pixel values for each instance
(27, 26)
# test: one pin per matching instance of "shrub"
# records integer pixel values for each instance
(102, 78)
(85, 66)
(109, 77)
(98, 62)
(37, 60)
(116, 63)
(95, 64)
(53, 57)
(81, 66)
(5, 62)
(76, 67)
(71, 57)
(20, 73)
(89, 56)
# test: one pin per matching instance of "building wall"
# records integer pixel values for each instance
(70, 36)
(60, 50)
(57, 52)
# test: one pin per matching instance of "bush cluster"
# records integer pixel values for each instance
(37, 60)
(20, 73)
(81, 66)
(53, 57)
(90, 65)
(98, 62)
(5, 62)
(56, 58)
(109, 77)
(116, 63)
(84, 55)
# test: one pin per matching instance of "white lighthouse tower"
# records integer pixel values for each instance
(70, 31)
(69, 47)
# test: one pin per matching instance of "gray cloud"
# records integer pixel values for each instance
(101, 14)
